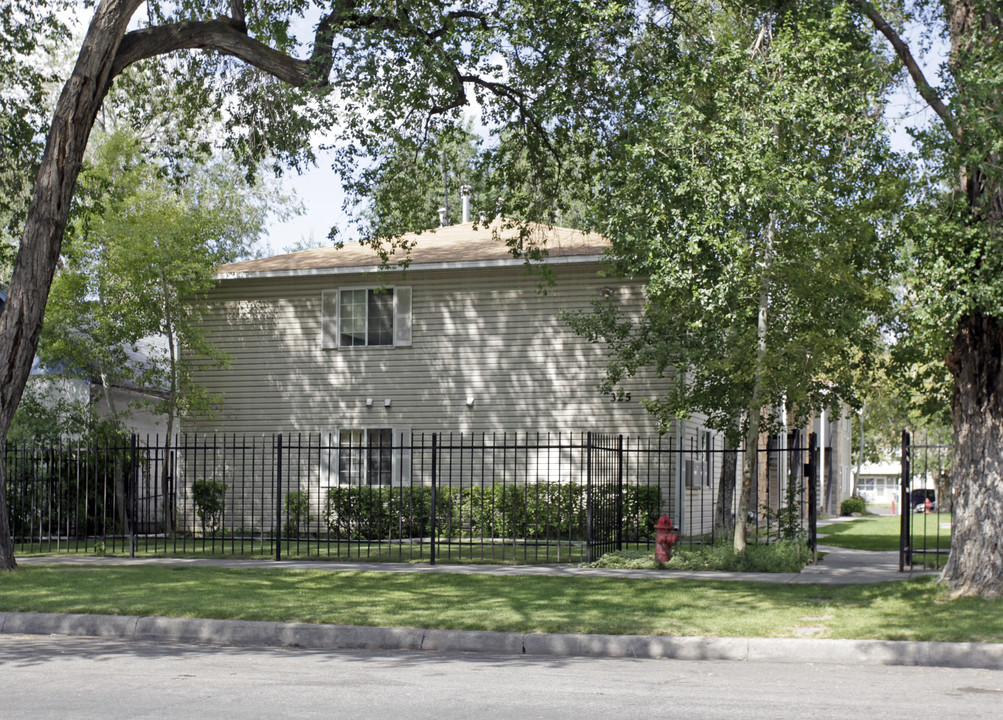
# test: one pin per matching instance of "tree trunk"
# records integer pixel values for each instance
(975, 564)
(755, 412)
(750, 465)
(169, 497)
(21, 321)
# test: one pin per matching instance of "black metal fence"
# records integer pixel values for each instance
(523, 498)
(927, 514)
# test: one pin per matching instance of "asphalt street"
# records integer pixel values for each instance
(60, 677)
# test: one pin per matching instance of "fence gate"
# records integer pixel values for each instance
(924, 524)
(604, 495)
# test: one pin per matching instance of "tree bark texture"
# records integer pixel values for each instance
(975, 565)
(750, 470)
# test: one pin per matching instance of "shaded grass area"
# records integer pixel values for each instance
(882, 533)
(457, 551)
(905, 610)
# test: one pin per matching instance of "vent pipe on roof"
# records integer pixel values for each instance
(465, 196)
(443, 217)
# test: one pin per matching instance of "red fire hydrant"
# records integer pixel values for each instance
(665, 538)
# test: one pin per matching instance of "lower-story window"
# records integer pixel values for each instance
(366, 456)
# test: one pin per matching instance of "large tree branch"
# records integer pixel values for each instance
(223, 35)
(925, 89)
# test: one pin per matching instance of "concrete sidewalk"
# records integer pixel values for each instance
(838, 567)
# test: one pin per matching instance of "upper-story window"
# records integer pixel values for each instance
(362, 317)
(367, 318)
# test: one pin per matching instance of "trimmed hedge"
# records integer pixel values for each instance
(541, 511)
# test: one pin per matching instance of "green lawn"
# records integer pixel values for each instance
(904, 610)
(882, 533)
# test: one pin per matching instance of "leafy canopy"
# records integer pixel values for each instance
(743, 177)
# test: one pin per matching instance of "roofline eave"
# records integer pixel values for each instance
(360, 270)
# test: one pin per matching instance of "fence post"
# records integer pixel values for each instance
(619, 493)
(277, 527)
(588, 497)
(131, 495)
(905, 548)
(811, 470)
(434, 499)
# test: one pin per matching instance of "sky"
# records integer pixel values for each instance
(319, 189)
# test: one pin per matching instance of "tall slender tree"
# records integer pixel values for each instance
(748, 187)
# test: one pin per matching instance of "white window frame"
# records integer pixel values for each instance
(330, 457)
(331, 305)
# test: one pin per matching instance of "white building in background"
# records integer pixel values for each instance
(880, 483)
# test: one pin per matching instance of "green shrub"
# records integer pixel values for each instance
(538, 511)
(78, 488)
(853, 504)
(297, 513)
(788, 519)
(208, 496)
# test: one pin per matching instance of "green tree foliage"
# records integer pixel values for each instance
(405, 191)
(25, 29)
(140, 251)
(748, 188)
(49, 415)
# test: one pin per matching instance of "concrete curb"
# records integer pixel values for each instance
(329, 637)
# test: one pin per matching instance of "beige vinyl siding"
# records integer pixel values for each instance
(486, 334)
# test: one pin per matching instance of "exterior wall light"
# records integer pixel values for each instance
(470, 400)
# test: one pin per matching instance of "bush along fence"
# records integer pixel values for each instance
(523, 498)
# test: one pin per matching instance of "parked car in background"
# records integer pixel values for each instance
(918, 498)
